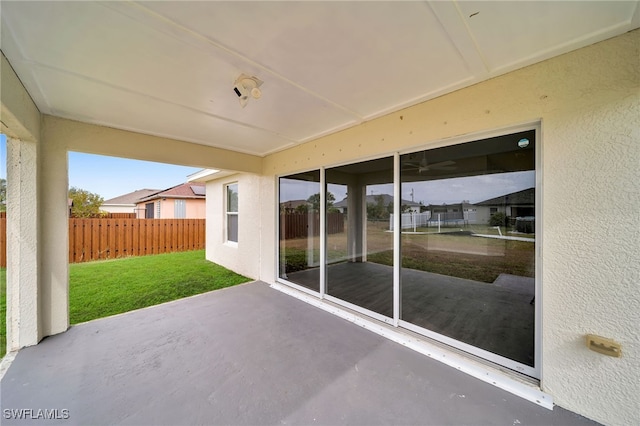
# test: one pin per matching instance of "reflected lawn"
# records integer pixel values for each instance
(457, 254)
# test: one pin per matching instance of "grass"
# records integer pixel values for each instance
(103, 288)
(3, 311)
(453, 252)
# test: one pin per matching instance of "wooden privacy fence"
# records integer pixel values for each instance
(296, 225)
(96, 239)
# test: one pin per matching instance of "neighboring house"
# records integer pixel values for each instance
(126, 203)
(184, 201)
(451, 212)
(515, 204)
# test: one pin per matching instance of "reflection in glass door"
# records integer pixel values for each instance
(468, 255)
(465, 245)
(360, 254)
(299, 229)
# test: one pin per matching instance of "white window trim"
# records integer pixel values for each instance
(227, 213)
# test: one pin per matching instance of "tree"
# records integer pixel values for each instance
(302, 208)
(377, 210)
(85, 203)
(3, 195)
(314, 200)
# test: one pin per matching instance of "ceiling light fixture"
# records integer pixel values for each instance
(246, 86)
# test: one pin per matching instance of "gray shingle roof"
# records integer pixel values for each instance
(131, 197)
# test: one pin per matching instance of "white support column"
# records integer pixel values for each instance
(355, 202)
(23, 298)
(54, 236)
(323, 233)
(397, 241)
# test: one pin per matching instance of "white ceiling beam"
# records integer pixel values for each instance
(455, 25)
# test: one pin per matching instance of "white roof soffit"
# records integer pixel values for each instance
(168, 68)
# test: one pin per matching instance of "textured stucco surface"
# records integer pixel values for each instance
(588, 102)
(243, 257)
(22, 239)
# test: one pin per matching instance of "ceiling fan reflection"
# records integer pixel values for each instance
(424, 166)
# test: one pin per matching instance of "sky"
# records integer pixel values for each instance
(111, 177)
(446, 191)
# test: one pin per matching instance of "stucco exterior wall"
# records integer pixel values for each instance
(166, 209)
(243, 257)
(196, 209)
(588, 102)
(23, 292)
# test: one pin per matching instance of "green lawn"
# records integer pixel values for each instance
(3, 311)
(103, 288)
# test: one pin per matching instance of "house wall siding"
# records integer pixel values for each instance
(588, 102)
(196, 209)
(245, 256)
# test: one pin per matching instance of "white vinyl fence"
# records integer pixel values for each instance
(411, 220)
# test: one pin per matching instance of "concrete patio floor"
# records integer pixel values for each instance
(249, 355)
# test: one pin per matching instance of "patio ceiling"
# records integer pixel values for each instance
(168, 68)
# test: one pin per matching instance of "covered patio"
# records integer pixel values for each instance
(257, 93)
(248, 355)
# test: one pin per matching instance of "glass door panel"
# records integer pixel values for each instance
(359, 239)
(299, 229)
(468, 252)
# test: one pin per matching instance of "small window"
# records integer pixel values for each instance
(158, 210)
(148, 212)
(180, 209)
(232, 212)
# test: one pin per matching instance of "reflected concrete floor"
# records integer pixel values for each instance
(249, 355)
(497, 317)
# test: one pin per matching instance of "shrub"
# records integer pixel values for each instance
(498, 219)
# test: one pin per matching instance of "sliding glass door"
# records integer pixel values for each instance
(299, 229)
(458, 224)
(468, 258)
(359, 258)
